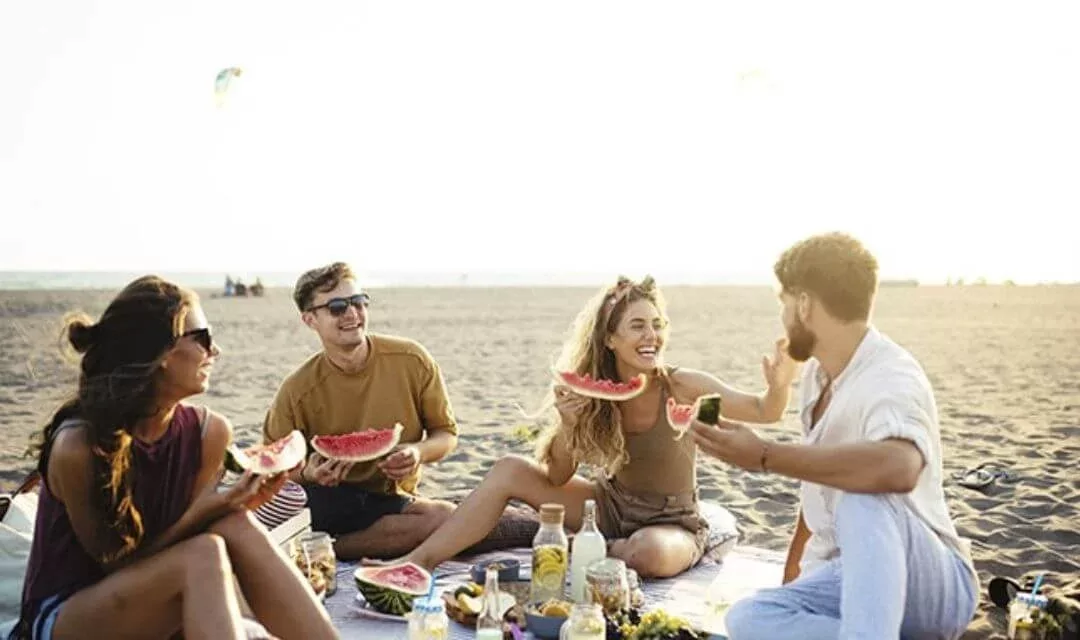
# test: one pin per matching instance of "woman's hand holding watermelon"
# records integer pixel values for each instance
(251, 491)
(568, 404)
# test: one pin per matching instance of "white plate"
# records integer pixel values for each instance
(362, 607)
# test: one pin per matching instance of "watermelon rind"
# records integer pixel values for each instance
(619, 391)
(390, 598)
(268, 459)
(335, 447)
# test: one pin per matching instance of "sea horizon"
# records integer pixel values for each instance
(93, 280)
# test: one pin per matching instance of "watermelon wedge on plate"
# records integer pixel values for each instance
(358, 446)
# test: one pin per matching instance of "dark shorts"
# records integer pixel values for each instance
(347, 508)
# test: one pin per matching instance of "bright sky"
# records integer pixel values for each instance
(458, 135)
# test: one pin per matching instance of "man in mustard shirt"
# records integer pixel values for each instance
(362, 381)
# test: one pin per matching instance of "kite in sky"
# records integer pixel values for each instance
(221, 83)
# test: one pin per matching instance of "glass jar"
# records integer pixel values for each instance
(550, 556)
(608, 585)
(637, 595)
(428, 620)
(586, 622)
(313, 553)
(1024, 612)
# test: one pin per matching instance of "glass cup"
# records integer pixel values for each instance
(607, 585)
(586, 622)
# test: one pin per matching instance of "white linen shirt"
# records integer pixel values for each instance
(882, 393)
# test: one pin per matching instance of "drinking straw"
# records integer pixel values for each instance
(1038, 581)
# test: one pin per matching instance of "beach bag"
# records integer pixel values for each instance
(18, 512)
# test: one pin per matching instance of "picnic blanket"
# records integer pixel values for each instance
(744, 569)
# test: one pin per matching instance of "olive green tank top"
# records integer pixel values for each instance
(660, 464)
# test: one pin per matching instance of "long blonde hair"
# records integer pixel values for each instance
(596, 436)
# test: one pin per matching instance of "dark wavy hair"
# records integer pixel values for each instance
(118, 382)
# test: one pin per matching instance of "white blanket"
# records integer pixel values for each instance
(746, 569)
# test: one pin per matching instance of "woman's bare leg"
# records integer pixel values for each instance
(277, 592)
(512, 477)
(188, 586)
(658, 551)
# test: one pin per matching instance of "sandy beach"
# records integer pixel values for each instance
(1002, 361)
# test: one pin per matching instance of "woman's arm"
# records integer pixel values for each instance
(735, 404)
(560, 464)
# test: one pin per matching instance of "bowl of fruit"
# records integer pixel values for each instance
(546, 619)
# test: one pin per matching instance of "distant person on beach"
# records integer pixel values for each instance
(132, 537)
(875, 553)
(360, 380)
(646, 491)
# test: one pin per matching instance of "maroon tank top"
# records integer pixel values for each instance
(165, 472)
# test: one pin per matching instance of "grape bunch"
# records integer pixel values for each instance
(654, 625)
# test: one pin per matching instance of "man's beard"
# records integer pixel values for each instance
(801, 341)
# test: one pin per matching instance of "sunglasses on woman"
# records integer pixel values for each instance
(203, 337)
(338, 306)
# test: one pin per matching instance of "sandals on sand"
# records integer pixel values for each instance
(982, 476)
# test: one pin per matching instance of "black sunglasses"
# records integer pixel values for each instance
(203, 337)
(338, 306)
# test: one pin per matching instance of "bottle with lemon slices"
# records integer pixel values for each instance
(550, 555)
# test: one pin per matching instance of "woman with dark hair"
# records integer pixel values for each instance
(132, 537)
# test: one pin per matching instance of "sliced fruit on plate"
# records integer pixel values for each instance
(392, 589)
(475, 604)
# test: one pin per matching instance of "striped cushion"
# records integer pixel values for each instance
(288, 502)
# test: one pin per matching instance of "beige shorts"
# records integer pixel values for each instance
(621, 513)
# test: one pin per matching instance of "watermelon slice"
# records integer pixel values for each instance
(392, 589)
(268, 459)
(359, 446)
(680, 416)
(705, 408)
(602, 389)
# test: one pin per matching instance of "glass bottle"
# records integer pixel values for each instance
(589, 547)
(549, 555)
(489, 623)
